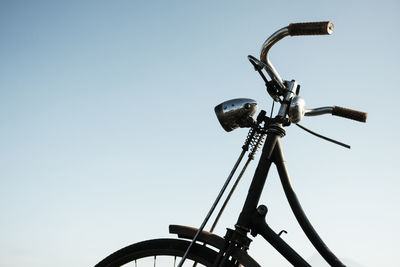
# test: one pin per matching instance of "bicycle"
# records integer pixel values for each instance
(208, 249)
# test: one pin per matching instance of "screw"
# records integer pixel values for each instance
(262, 210)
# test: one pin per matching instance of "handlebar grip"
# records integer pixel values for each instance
(349, 113)
(311, 28)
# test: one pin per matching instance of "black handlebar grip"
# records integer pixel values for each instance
(349, 113)
(311, 28)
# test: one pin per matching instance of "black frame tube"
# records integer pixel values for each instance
(249, 220)
(257, 184)
(301, 217)
(278, 243)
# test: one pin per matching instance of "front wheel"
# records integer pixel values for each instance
(160, 252)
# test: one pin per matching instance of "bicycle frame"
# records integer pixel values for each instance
(292, 109)
(232, 249)
(252, 219)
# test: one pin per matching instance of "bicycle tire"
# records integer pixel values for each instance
(146, 251)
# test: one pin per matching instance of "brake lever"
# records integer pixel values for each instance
(272, 86)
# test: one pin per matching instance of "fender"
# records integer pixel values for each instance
(187, 232)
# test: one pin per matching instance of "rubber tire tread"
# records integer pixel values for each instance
(173, 247)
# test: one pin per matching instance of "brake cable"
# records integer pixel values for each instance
(271, 89)
(323, 137)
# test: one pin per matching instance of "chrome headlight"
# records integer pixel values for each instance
(235, 113)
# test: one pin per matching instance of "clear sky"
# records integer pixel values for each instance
(108, 132)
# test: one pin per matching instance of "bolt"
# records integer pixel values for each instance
(262, 210)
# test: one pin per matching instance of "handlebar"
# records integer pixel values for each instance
(293, 29)
(338, 111)
(349, 114)
(311, 28)
(293, 108)
(289, 89)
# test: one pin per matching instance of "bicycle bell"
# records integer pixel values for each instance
(296, 109)
(235, 113)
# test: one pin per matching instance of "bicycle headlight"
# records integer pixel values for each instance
(235, 113)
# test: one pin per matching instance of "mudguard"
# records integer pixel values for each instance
(212, 240)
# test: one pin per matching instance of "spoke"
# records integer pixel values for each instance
(155, 261)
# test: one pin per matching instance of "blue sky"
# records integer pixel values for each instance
(108, 132)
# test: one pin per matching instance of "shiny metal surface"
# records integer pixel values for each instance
(290, 93)
(318, 111)
(296, 109)
(330, 27)
(273, 39)
(235, 113)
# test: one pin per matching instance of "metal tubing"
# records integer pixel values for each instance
(301, 217)
(229, 195)
(318, 111)
(258, 182)
(278, 243)
(213, 207)
(273, 39)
